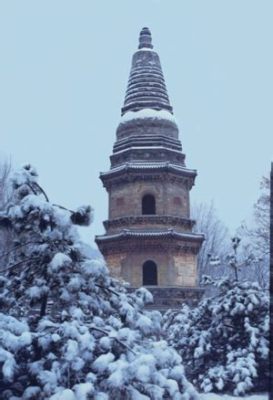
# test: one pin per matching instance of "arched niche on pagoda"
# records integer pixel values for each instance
(148, 204)
(149, 273)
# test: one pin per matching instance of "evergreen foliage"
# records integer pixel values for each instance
(68, 330)
(224, 342)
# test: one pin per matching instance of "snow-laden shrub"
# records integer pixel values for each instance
(224, 342)
(70, 331)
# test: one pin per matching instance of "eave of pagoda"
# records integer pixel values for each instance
(131, 172)
(162, 240)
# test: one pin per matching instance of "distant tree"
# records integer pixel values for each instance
(216, 239)
(254, 267)
(5, 171)
(5, 194)
(256, 238)
(259, 232)
(68, 331)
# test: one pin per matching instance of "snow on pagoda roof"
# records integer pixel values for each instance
(152, 234)
(151, 165)
(148, 113)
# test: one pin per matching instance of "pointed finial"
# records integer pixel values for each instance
(145, 39)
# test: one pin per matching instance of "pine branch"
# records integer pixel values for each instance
(107, 289)
(107, 334)
(43, 306)
(31, 188)
(5, 221)
(18, 246)
(42, 190)
(19, 263)
(229, 326)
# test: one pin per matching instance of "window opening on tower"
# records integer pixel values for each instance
(148, 204)
(149, 270)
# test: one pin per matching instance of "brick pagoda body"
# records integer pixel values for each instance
(149, 239)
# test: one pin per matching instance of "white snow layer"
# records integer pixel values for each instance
(147, 113)
(58, 261)
(212, 396)
(145, 49)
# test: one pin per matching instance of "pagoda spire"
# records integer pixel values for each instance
(145, 39)
(146, 86)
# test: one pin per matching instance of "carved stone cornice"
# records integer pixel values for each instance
(167, 220)
(165, 172)
(140, 138)
(147, 153)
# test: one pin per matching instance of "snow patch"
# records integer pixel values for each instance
(212, 396)
(147, 113)
(59, 260)
(66, 394)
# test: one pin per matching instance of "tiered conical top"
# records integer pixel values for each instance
(146, 86)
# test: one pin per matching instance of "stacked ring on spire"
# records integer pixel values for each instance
(146, 86)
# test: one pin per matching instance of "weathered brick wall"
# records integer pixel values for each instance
(171, 199)
(176, 200)
(186, 269)
(172, 270)
(114, 264)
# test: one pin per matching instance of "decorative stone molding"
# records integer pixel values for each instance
(142, 154)
(126, 176)
(167, 220)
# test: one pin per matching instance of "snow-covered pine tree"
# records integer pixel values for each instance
(67, 330)
(224, 341)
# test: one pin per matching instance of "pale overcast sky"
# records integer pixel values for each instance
(63, 74)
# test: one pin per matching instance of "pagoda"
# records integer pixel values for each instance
(149, 239)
